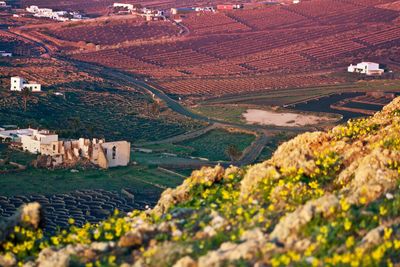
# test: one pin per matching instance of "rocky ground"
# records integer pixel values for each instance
(323, 199)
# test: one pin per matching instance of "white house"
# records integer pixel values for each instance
(122, 5)
(368, 68)
(5, 54)
(33, 143)
(19, 83)
(55, 15)
(15, 135)
(3, 4)
(116, 154)
(32, 9)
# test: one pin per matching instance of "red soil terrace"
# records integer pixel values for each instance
(247, 50)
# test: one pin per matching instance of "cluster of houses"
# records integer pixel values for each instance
(222, 7)
(55, 15)
(156, 14)
(68, 152)
(147, 13)
(367, 68)
(19, 83)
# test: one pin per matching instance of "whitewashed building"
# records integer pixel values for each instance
(55, 15)
(122, 5)
(15, 135)
(32, 143)
(3, 4)
(367, 68)
(5, 54)
(69, 152)
(19, 83)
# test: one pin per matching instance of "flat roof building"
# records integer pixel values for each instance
(368, 68)
(19, 83)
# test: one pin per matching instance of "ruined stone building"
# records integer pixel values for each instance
(69, 152)
(101, 153)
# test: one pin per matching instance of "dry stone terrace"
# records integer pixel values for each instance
(82, 205)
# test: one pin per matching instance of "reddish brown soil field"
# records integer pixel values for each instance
(18, 46)
(239, 51)
(109, 33)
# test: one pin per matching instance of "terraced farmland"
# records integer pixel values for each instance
(238, 51)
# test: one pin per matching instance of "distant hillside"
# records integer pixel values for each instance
(323, 199)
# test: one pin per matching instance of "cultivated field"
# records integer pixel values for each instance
(232, 52)
(18, 46)
(212, 145)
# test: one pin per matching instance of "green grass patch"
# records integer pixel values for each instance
(213, 145)
(42, 181)
(230, 113)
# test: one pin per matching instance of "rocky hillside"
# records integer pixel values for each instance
(323, 199)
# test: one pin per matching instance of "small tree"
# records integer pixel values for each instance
(155, 108)
(26, 94)
(233, 153)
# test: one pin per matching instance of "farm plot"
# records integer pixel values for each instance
(214, 144)
(85, 196)
(18, 46)
(112, 114)
(108, 33)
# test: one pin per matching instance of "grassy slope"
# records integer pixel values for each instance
(39, 181)
(42, 181)
(213, 144)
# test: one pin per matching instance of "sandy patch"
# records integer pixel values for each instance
(263, 117)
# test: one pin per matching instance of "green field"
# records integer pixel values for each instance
(94, 110)
(137, 178)
(213, 145)
(230, 113)
(146, 181)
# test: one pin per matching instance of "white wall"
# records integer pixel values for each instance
(28, 144)
(122, 154)
(34, 87)
(17, 83)
(47, 139)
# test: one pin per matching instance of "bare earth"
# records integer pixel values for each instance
(263, 117)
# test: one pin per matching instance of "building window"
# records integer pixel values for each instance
(114, 152)
(54, 147)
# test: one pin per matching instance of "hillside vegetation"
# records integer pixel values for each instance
(323, 199)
